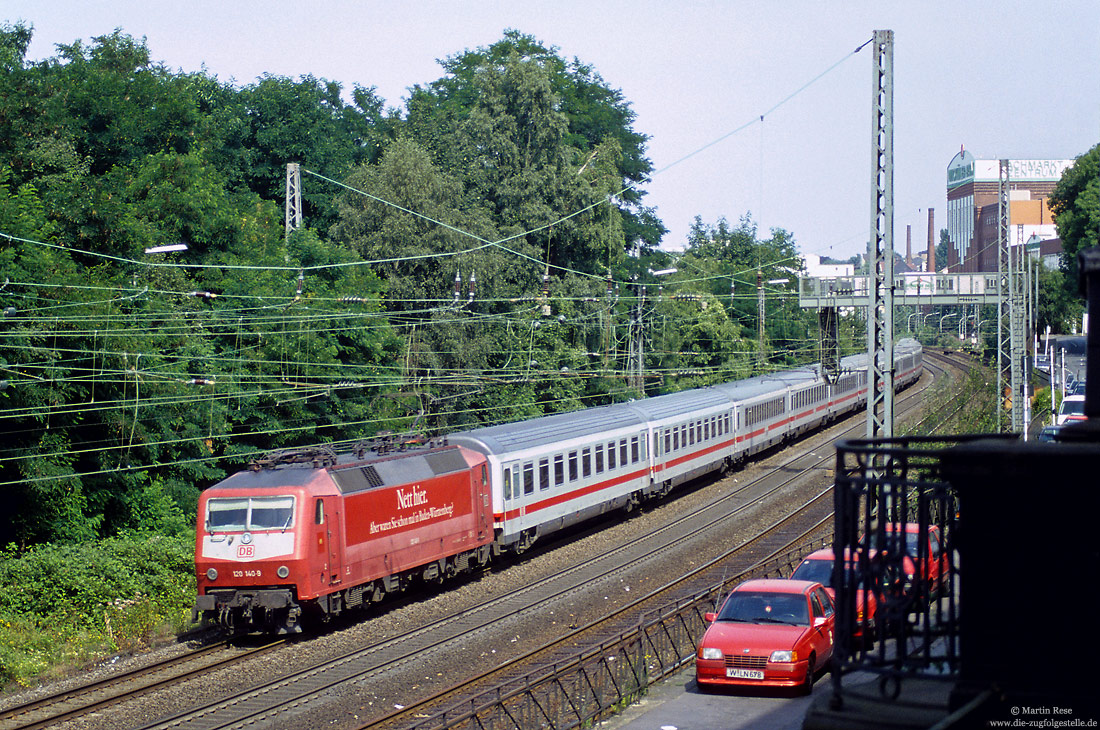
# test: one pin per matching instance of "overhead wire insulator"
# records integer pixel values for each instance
(473, 287)
(546, 294)
(458, 285)
(202, 294)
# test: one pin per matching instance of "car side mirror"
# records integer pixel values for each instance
(820, 621)
(710, 617)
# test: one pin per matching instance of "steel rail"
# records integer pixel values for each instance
(76, 701)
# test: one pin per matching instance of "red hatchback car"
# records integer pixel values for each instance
(769, 633)
(818, 566)
(931, 570)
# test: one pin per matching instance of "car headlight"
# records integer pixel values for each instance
(211, 574)
(283, 571)
(709, 652)
(784, 656)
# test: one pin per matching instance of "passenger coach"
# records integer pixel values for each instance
(557, 470)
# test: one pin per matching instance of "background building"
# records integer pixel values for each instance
(972, 217)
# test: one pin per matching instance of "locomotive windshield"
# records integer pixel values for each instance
(249, 513)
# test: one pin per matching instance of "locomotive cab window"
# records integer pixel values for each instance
(319, 512)
(249, 513)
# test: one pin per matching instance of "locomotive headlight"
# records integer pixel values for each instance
(283, 571)
(246, 538)
(211, 574)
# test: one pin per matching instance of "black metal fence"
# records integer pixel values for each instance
(896, 568)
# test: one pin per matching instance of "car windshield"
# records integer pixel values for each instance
(891, 542)
(818, 571)
(249, 513)
(1072, 407)
(766, 608)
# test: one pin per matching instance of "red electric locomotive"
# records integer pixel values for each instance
(312, 531)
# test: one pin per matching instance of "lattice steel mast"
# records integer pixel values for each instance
(1011, 313)
(880, 249)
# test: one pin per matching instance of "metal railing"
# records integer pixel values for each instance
(895, 547)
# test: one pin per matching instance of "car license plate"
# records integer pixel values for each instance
(744, 673)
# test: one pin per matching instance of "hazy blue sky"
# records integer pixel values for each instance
(1004, 78)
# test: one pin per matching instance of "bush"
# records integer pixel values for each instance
(66, 604)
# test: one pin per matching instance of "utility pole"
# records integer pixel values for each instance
(1010, 315)
(759, 320)
(880, 249)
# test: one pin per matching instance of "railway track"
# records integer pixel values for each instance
(290, 694)
(811, 519)
(270, 700)
(60, 706)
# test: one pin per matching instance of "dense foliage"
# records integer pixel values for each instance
(481, 255)
(1075, 205)
(64, 605)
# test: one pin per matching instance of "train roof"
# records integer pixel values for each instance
(352, 472)
(672, 404)
(509, 437)
(398, 469)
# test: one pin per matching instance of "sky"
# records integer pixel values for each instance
(1004, 78)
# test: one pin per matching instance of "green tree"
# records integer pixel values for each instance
(1075, 205)
(942, 249)
(572, 107)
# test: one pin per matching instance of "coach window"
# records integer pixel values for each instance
(507, 482)
(559, 470)
(544, 473)
(634, 449)
(599, 458)
(623, 455)
(668, 443)
(572, 466)
(586, 462)
(611, 456)
(319, 512)
(529, 478)
(675, 439)
(699, 431)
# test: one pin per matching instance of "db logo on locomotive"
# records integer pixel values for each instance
(246, 551)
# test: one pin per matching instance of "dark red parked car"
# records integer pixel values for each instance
(818, 566)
